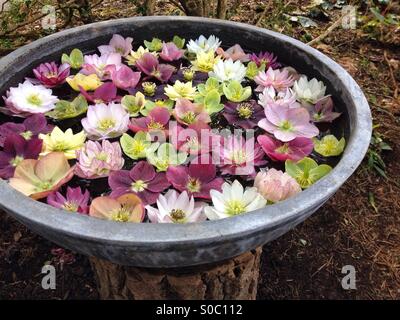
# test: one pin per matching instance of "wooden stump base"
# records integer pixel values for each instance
(236, 278)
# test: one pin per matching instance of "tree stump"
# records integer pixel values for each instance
(233, 279)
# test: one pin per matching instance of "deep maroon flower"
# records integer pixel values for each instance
(267, 58)
(51, 75)
(170, 52)
(244, 114)
(30, 128)
(197, 179)
(125, 78)
(141, 180)
(106, 93)
(322, 111)
(150, 66)
(187, 74)
(16, 149)
(157, 120)
(75, 200)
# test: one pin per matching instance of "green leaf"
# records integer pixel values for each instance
(179, 42)
(154, 45)
(66, 110)
(65, 59)
(76, 58)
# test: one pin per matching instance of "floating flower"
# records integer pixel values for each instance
(107, 92)
(329, 146)
(38, 178)
(252, 70)
(154, 45)
(287, 123)
(150, 66)
(205, 61)
(28, 99)
(75, 59)
(170, 52)
(265, 58)
(142, 180)
(176, 208)
(227, 70)
(95, 160)
(87, 83)
(118, 44)
(157, 120)
(136, 55)
(138, 146)
(126, 208)
(180, 90)
(280, 80)
(245, 114)
(16, 149)
(166, 156)
(235, 92)
(322, 111)
(105, 121)
(125, 78)
(66, 142)
(202, 44)
(66, 109)
(134, 104)
(271, 96)
(235, 53)
(233, 200)
(309, 92)
(275, 186)
(103, 66)
(51, 75)
(186, 112)
(295, 149)
(75, 200)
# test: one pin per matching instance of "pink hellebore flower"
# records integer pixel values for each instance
(280, 80)
(142, 180)
(266, 58)
(287, 124)
(117, 45)
(294, 150)
(270, 96)
(103, 66)
(275, 185)
(106, 93)
(186, 112)
(322, 111)
(157, 120)
(125, 78)
(235, 53)
(74, 201)
(150, 66)
(51, 75)
(170, 52)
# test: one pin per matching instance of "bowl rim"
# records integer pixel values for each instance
(160, 236)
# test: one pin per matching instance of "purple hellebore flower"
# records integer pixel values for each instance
(170, 52)
(294, 150)
(322, 111)
(185, 74)
(30, 128)
(150, 66)
(287, 123)
(118, 44)
(157, 120)
(125, 78)
(51, 75)
(75, 200)
(244, 114)
(268, 58)
(16, 149)
(141, 180)
(106, 93)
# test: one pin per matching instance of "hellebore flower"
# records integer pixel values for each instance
(154, 45)
(197, 179)
(138, 146)
(170, 52)
(103, 66)
(265, 58)
(189, 74)
(16, 149)
(150, 105)
(150, 66)
(252, 70)
(227, 70)
(105, 121)
(280, 80)
(275, 185)
(136, 55)
(126, 208)
(66, 142)
(107, 92)
(95, 160)
(202, 44)
(142, 180)
(205, 61)
(176, 208)
(245, 114)
(30, 128)
(186, 112)
(75, 200)
(51, 75)
(235, 53)
(166, 156)
(295, 149)
(239, 157)
(118, 44)
(287, 123)
(235, 92)
(75, 59)
(157, 120)
(309, 92)
(306, 171)
(322, 111)
(134, 104)
(66, 109)
(180, 90)
(125, 78)
(87, 83)
(38, 178)
(233, 200)
(329, 146)
(270, 96)
(28, 99)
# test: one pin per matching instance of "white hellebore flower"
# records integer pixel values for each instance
(202, 44)
(176, 208)
(180, 90)
(309, 91)
(233, 200)
(30, 98)
(228, 70)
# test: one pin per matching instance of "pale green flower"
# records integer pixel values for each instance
(329, 146)
(165, 156)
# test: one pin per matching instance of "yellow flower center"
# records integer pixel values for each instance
(193, 185)
(177, 215)
(102, 156)
(286, 125)
(122, 214)
(27, 134)
(283, 148)
(34, 99)
(245, 110)
(149, 88)
(138, 186)
(238, 157)
(70, 206)
(189, 117)
(235, 207)
(188, 74)
(154, 125)
(106, 124)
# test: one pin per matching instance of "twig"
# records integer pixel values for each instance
(396, 88)
(178, 5)
(327, 32)
(262, 15)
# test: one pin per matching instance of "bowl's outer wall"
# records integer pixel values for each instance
(161, 245)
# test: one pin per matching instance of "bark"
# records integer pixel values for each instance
(150, 6)
(221, 9)
(233, 279)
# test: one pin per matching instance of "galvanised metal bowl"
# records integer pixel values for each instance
(176, 245)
